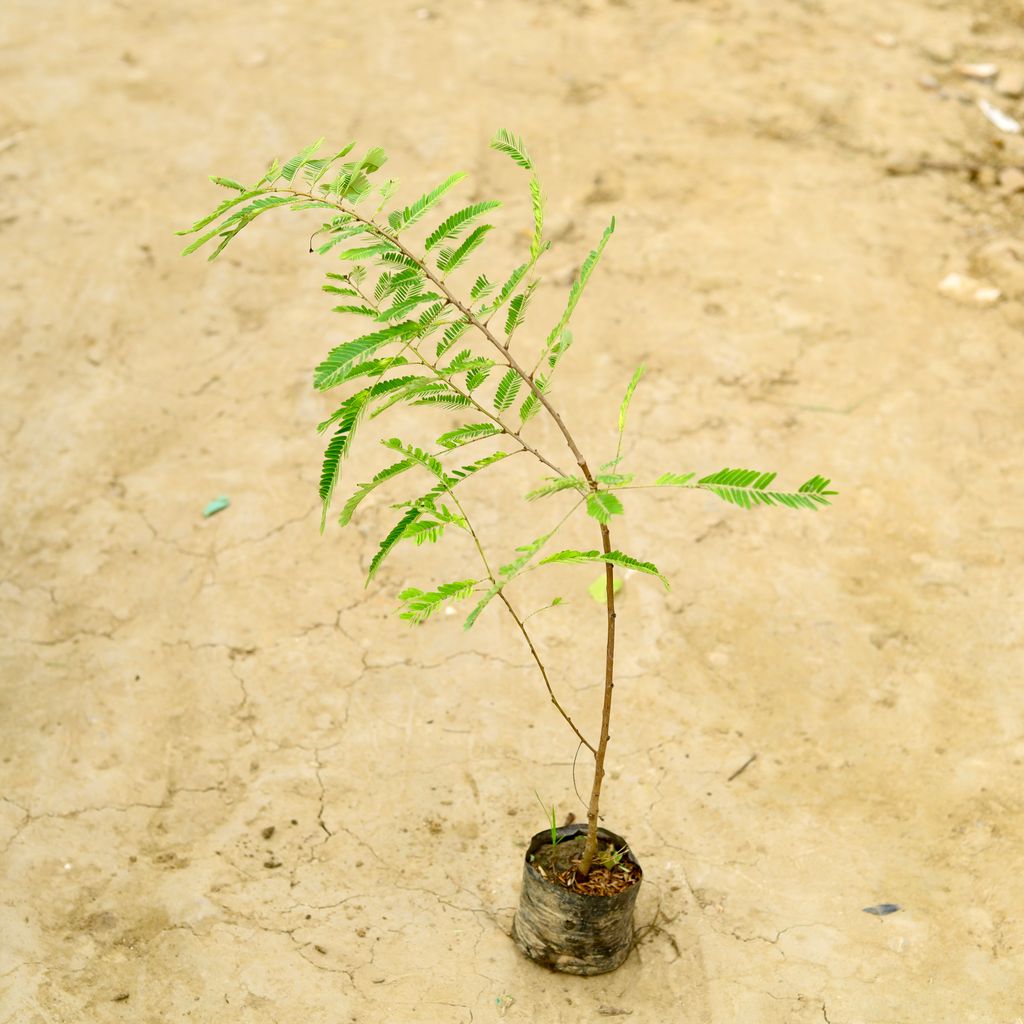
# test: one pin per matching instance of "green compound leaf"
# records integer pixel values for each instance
(576, 291)
(452, 333)
(555, 484)
(537, 202)
(512, 146)
(674, 480)
(389, 542)
(399, 221)
(613, 557)
(458, 222)
(297, 161)
(416, 455)
(631, 387)
(337, 449)
(531, 403)
(339, 362)
(467, 434)
(481, 288)
(421, 604)
(451, 259)
(747, 488)
(602, 505)
(363, 490)
(508, 389)
(506, 574)
(517, 310)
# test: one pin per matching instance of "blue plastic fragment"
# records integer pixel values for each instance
(215, 506)
(881, 909)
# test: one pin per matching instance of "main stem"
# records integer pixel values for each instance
(590, 849)
(606, 711)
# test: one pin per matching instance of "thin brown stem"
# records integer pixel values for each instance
(520, 623)
(606, 711)
(543, 671)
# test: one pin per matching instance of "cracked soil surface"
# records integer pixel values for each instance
(234, 788)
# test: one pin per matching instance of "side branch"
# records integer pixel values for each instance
(521, 624)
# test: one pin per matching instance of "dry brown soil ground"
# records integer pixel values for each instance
(792, 180)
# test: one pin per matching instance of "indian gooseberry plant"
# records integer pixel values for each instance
(437, 334)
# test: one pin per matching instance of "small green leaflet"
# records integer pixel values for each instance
(613, 557)
(374, 160)
(400, 220)
(247, 213)
(424, 531)
(531, 403)
(364, 489)
(357, 310)
(417, 455)
(387, 190)
(227, 182)
(339, 361)
(481, 288)
(314, 170)
(375, 367)
(466, 435)
(576, 292)
(637, 374)
(330, 472)
(451, 259)
(478, 375)
(410, 391)
(517, 309)
(747, 488)
(363, 252)
(508, 389)
(602, 505)
(445, 399)
(452, 333)
(474, 467)
(458, 222)
(537, 202)
(506, 574)
(512, 146)
(405, 306)
(289, 169)
(388, 543)
(378, 388)
(554, 484)
(347, 417)
(673, 480)
(421, 604)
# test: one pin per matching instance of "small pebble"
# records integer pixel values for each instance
(900, 162)
(882, 909)
(942, 51)
(969, 290)
(928, 82)
(979, 72)
(884, 39)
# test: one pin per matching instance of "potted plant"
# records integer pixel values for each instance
(437, 335)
